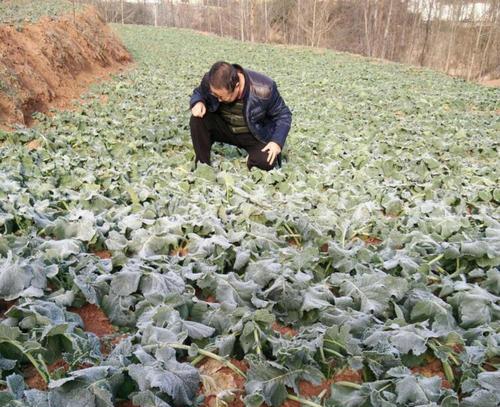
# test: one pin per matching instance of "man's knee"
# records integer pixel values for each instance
(195, 121)
(260, 161)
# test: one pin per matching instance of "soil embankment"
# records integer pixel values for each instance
(51, 62)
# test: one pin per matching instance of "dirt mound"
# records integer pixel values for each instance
(49, 63)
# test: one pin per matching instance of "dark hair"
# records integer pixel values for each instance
(223, 75)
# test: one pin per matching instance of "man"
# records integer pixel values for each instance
(239, 107)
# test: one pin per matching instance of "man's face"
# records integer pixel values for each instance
(224, 95)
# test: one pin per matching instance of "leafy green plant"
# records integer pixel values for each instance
(375, 247)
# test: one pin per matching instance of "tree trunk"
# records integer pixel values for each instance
(475, 49)
(386, 31)
(297, 28)
(266, 28)
(208, 18)
(221, 29)
(413, 40)
(242, 26)
(367, 34)
(313, 32)
(427, 32)
(456, 19)
(251, 20)
(495, 10)
(155, 14)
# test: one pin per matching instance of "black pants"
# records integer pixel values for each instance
(211, 127)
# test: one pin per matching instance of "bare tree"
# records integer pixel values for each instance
(428, 24)
(242, 20)
(493, 16)
(433, 33)
(386, 31)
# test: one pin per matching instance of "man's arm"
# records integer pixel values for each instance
(200, 94)
(281, 115)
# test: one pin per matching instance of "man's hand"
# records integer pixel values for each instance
(273, 149)
(199, 109)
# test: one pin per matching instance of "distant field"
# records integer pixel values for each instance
(22, 11)
(376, 247)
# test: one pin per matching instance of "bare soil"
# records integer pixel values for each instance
(94, 320)
(221, 384)
(179, 251)
(370, 240)
(284, 330)
(494, 83)
(51, 62)
(35, 381)
(5, 306)
(125, 403)
(103, 254)
(433, 368)
(308, 390)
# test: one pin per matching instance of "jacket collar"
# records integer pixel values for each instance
(247, 81)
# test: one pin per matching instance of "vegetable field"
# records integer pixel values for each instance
(26, 11)
(366, 268)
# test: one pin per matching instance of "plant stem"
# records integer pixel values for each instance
(328, 265)
(292, 234)
(334, 343)
(349, 384)
(322, 353)
(257, 342)
(197, 360)
(435, 259)
(43, 373)
(448, 372)
(441, 270)
(334, 353)
(303, 401)
(210, 355)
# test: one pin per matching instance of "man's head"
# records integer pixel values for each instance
(224, 82)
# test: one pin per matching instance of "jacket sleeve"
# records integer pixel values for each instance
(281, 115)
(200, 94)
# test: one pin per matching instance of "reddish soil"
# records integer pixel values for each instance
(94, 320)
(179, 251)
(494, 83)
(348, 375)
(308, 390)
(371, 240)
(284, 330)
(125, 403)
(34, 145)
(103, 254)
(218, 379)
(203, 297)
(293, 241)
(49, 63)
(490, 365)
(4, 307)
(287, 403)
(433, 368)
(35, 381)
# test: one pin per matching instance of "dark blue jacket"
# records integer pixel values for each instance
(267, 116)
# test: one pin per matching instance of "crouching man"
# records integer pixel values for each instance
(240, 107)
